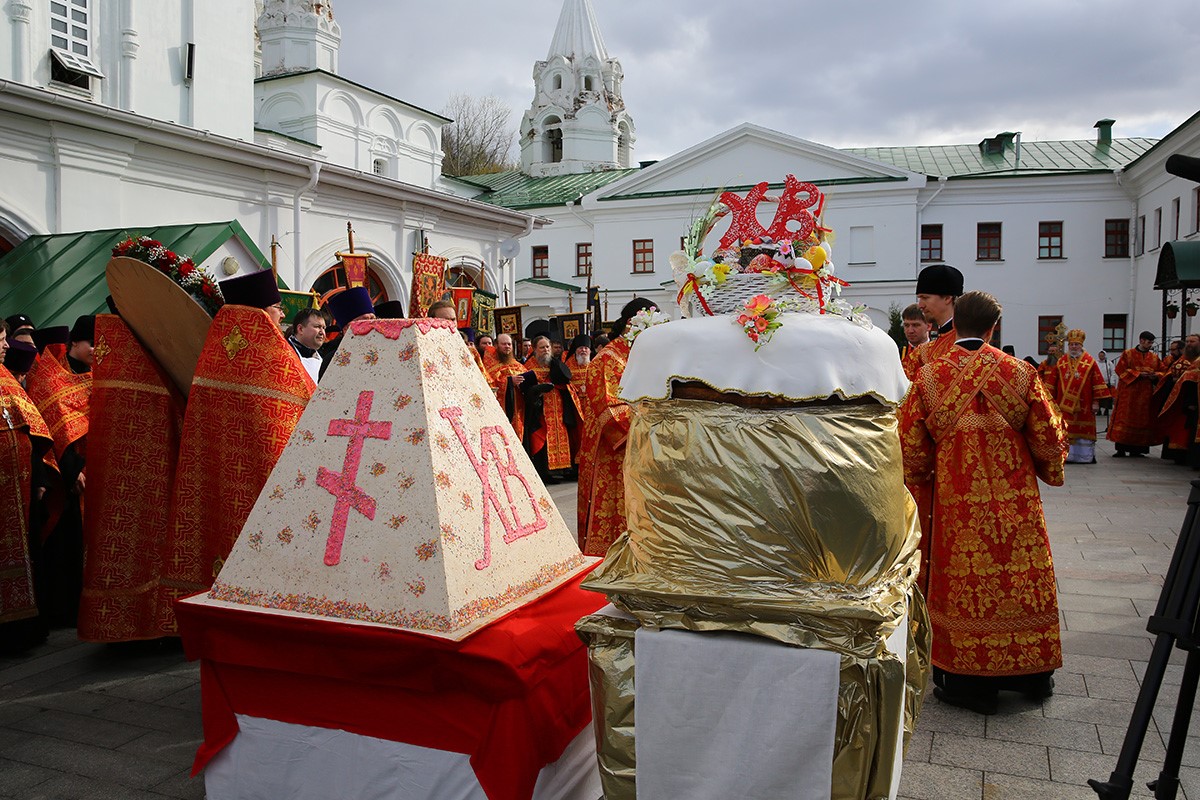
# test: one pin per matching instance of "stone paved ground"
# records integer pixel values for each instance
(89, 721)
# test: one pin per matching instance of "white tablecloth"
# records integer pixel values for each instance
(271, 760)
(729, 715)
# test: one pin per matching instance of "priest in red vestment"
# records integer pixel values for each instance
(60, 385)
(504, 376)
(1179, 409)
(979, 428)
(916, 334)
(1134, 426)
(1077, 386)
(135, 425)
(938, 286)
(247, 395)
(24, 439)
(601, 510)
(548, 410)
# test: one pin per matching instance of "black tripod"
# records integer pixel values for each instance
(1175, 623)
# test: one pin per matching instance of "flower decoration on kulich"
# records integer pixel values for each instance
(789, 262)
(759, 320)
(643, 320)
(194, 280)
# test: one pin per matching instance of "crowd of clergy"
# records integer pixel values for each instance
(117, 497)
(100, 455)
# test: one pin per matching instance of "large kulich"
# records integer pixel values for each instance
(764, 489)
(764, 495)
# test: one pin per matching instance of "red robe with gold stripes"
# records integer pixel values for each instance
(980, 427)
(23, 435)
(136, 421)
(1134, 422)
(602, 451)
(1078, 384)
(247, 395)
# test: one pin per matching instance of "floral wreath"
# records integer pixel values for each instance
(642, 321)
(194, 280)
(802, 265)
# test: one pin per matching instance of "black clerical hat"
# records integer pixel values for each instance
(58, 334)
(349, 305)
(255, 289)
(390, 309)
(582, 340)
(20, 357)
(84, 329)
(17, 321)
(940, 279)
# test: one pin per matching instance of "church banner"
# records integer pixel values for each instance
(595, 320)
(463, 307)
(293, 302)
(485, 307)
(508, 320)
(571, 325)
(428, 283)
(355, 265)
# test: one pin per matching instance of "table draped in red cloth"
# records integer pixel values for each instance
(512, 695)
(23, 433)
(136, 420)
(247, 395)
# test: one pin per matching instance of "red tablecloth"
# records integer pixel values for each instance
(512, 695)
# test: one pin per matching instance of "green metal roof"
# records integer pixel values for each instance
(516, 190)
(56, 278)
(1037, 158)
(513, 189)
(566, 287)
(1178, 266)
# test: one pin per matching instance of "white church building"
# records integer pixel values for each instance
(1059, 231)
(138, 114)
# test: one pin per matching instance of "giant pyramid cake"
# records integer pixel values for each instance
(403, 498)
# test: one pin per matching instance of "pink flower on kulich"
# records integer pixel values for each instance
(758, 304)
(761, 324)
(743, 319)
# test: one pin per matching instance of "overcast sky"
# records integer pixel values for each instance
(845, 73)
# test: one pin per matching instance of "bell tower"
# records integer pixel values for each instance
(578, 122)
(298, 35)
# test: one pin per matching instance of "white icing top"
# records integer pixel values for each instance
(811, 357)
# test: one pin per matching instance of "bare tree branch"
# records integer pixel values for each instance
(480, 140)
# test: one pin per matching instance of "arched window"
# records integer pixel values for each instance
(463, 274)
(623, 145)
(587, 83)
(333, 280)
(379, 167)
(554, 141)
(557, 82)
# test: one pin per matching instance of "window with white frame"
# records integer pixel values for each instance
(71, 43)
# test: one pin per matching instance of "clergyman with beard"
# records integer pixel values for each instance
(548, 409)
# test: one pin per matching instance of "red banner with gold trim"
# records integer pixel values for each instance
(136, 421)
(248, 393)
(463, 305)
(428, 283)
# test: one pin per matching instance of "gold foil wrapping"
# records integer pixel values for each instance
(610, 671)
(792, 524)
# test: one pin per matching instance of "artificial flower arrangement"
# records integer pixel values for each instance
(788, 263)
(194, 280)
(643, 320)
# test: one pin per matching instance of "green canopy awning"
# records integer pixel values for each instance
(56, 278)
(1178, 266)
